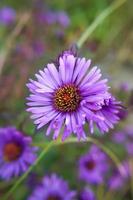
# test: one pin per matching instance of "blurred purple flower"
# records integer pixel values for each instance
(125, 137)
(93, 166)
(124, 87)
(49, 17)
(119, 137)
(7, 15)
(52, 17)
(117, 181)
(52, 188)
(38, 48)
(129, 147)
(68, 94)
(63, 19)
(16, 154)
(87, 194)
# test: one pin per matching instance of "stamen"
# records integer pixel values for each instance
(12, 151)
(67, 98)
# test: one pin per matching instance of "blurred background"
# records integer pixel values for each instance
(34, 32)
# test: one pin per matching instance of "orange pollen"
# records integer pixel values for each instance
(12, 151)
(67, 98)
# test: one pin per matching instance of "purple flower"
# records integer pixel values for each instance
(109, 112)
(117, 181)
(87, 194)
(38, 48)
(52, 17)
(125, 137)
(119, 137)
(63, 19)
(67, 94)
(7, 15)
(129, 147)
(16, 154)
(49, 17)
(124, 87)
(93, 166)
(52, 188)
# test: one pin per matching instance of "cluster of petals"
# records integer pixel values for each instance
(52, 187)
(16, 153)
(81, 96)
(93, 166)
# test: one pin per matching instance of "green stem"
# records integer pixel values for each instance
(59, 142)
(109, 10)
(45, 150)
(109, 152)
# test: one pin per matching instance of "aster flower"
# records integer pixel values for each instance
(16, 154)
(68, 94)
(93, 166)
(7, 15)
(63, 19)
(52, 188)
(87, 194)
(110, 113)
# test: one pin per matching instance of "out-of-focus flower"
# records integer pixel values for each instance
(125, 137)
(93, 166)
(63, 19)
(38, 48)
(59, 32)
(119, 137)
(51, 17)
(124, 87)
(48, 17)
(52, 188)
(67, 94)
(16, 154)
(117, 181)
(7, 15)
(87, 194)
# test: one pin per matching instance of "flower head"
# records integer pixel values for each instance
(93, 165)
(87, 194)
(16, 154)
(110, 113)
(68, 94)
(52, 188)
(7, 15)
